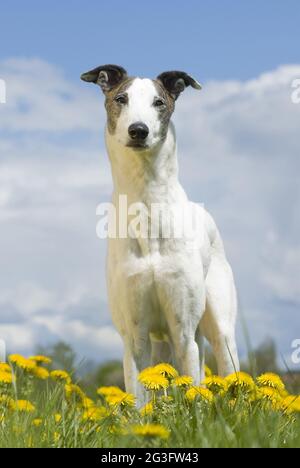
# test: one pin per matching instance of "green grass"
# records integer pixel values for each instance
(224, 422)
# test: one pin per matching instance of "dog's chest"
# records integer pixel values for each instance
(162, 251)
(144, 275)
(161, 263)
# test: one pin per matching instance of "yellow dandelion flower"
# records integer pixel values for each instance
(147, 371)
(203, 393)
(95, 413)
(154, 381)
(60, 376)
(183, 381)
(215, 384)
(166, 370)
(270, 380)
(125, 399)
(37, 422)
(6, 377)
(74, 390)
(57, 417)
(24, 406)
(22, 362)
(151, 431)
(4, 367)
(109, 391)
(291, 404)
(87, 402)
(15, 357)
(147, 410)
(41, 359)
(40, 373)
(207, 371)
(240, 380)
(56, 436)
(284, 393)
(267, 394)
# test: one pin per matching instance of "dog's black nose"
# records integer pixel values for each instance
(138, 131)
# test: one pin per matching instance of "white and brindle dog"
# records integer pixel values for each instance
(163, 295)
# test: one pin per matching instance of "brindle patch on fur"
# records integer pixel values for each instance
(164, 112)
(112, 107)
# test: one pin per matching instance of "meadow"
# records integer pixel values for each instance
(41, 407)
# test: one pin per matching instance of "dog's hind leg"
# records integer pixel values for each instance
(218, 322)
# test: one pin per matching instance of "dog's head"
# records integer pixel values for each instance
(139, 110)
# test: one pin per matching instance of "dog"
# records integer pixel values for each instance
(164, 295)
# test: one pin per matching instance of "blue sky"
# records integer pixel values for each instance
(215, 39)
(238, 153)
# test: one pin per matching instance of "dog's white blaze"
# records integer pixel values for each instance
(141, 94)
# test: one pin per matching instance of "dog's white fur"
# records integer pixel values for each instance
(163, 295)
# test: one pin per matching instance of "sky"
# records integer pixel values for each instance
(238, 144)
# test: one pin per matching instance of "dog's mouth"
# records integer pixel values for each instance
(139, 145)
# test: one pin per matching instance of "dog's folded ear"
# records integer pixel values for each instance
(176, 81)
(106, 76)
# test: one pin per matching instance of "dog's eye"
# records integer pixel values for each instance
(121, 99)
(159, 102)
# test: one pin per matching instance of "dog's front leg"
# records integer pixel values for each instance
(187, 354)
(183, 311)
(137, 357)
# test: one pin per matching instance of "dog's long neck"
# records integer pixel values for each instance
(145, 176)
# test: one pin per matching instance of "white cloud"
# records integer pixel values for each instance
(41, 98)
(18, 337)
(103, 339)
(239, 153)
(281, 274)
(29, 298)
